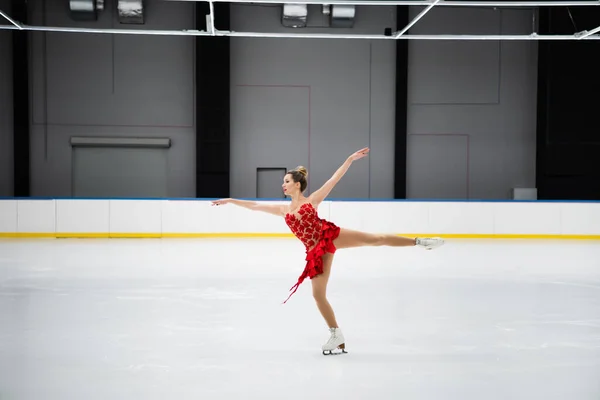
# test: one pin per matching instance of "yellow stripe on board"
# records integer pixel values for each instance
(233, 235)
(228, 235)
(507, 236)
(80, 235)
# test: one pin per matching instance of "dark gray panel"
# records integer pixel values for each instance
(502, 131)
(351, 85)
(269, 181)
(271, 127)
(455, 72)
(116, 80)
(111, 86)
(438, 166)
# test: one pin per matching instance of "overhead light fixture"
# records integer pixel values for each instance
(294, 15)
(131, 11)
(85, 10)
(342, 16)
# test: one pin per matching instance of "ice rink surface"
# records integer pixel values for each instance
(203, 319)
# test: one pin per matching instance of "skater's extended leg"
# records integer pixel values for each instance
(351, 238)
(319, 287)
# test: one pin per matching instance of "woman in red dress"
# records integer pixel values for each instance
(322, 238)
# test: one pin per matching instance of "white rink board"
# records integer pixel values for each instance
(8, 216)
(75, 216)
(135, 216)
(36, 216)
(190, 217)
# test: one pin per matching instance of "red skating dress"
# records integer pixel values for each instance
(317, 235)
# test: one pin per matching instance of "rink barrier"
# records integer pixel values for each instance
(197, 218)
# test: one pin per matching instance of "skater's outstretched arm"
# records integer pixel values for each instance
(274, 209)
(320, 195)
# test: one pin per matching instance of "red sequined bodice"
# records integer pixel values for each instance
(318, 235)
(306, 226)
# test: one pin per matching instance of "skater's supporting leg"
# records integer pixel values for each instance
(350, 238)
(319, 286)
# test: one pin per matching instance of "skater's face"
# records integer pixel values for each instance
(289, 187)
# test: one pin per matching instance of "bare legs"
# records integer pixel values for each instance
(350, 238)
(319, 286)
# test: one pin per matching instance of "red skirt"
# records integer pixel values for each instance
(314, 256)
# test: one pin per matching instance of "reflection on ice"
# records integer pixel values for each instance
(203, 319)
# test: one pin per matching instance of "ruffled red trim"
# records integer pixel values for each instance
(314, 256)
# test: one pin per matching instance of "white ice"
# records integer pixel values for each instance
(203, 319)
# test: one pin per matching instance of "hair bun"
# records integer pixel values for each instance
(302, 170)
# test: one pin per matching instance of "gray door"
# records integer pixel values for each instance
(268, 183)
(119, 172)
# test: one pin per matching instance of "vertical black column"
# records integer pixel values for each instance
(568, 143)
(20, 65)
(212, 105)
(401, 107)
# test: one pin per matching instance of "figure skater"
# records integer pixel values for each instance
(322, 238)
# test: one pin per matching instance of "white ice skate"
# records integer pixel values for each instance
(336, 341)
(430, 243)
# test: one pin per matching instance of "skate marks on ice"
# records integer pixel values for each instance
(184, 319)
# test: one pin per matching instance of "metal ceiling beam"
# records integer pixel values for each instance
(410, 37)
(450, 3)
(417, 18)
(212, 31)
(586, 34)
(296, 35)
(211, 21)
(12, 21)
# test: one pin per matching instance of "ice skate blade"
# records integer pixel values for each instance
(336, 352)
(340, 350)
